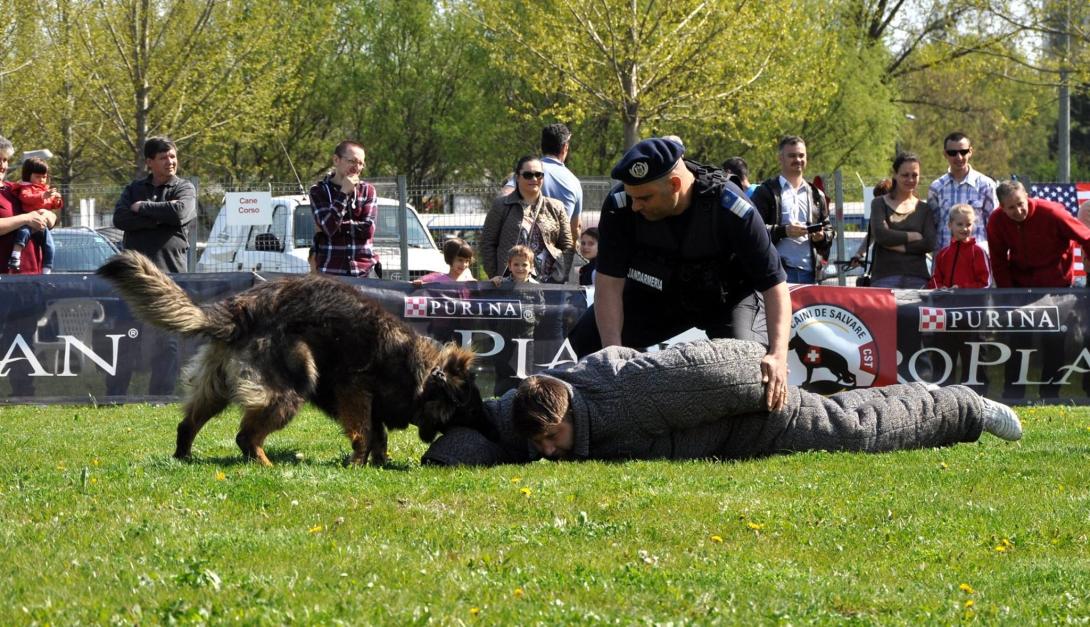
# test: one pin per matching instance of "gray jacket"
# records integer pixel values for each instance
(504, 221)
(706, 400)
(159, 229)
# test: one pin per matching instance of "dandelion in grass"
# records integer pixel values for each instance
(220, 476)
(1004, 545)
(525, 491)
(315, 529)
(519, 593)
(516, 479)
(969, 603)
(943, 465)
(966, 588)
(474, 611)
(717, 539)
(755, 526)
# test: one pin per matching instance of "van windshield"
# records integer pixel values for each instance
(386, 229)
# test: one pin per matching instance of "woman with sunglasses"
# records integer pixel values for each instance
(903, 230)
(527, 217)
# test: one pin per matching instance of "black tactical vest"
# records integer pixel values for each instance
(694, 266)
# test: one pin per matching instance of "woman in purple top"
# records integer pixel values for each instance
(459, 257)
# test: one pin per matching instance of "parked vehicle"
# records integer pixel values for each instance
(80, 249)
(284, 245)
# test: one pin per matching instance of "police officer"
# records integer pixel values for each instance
(682, 247)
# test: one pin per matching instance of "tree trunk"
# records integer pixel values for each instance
(140, 80)
(630, 117)
(631, 130)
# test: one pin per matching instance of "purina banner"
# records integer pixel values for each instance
(70, 339)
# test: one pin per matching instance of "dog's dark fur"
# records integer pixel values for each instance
(279, 344)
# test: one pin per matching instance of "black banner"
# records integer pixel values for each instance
(71, 339)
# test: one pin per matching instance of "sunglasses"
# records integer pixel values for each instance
(529, 176)
(953, 152)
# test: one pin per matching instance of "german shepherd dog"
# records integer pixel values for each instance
(280, 344)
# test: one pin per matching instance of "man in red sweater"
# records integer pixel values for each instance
(1032, 241)
(1032, 244)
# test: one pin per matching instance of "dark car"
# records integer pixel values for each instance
(80, 249)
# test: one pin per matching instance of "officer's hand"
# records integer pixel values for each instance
(774, 376)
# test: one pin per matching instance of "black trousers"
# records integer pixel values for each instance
(650, 318)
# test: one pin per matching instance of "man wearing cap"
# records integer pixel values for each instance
(682, 247)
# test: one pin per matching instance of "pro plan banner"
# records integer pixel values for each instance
(1020, 345)
(69, 338)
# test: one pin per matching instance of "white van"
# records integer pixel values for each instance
(283, 246)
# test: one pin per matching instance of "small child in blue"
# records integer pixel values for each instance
(34, 194)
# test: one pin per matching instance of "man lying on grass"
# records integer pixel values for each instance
(707, 400)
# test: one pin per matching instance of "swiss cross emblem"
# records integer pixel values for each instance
(813, 356)
(416, 306)
(932, 319)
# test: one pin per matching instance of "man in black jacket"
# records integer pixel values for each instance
(154, 212)
(796, 214)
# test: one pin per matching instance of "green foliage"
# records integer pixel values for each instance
(992, 100)
(102, 526)
(419, 72)
(448, 90)
(658, 67)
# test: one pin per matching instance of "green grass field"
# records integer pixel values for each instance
(102, 526)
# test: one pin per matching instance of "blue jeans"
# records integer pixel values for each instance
(43, 238)
(900, 282)
(802, 277)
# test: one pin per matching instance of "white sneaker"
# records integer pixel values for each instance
(1000, 420)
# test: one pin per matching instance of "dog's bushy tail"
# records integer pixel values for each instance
(153, 296)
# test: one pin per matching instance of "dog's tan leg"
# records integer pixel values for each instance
(259, 422)
(251, 435)
(354, 414)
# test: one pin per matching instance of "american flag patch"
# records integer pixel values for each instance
(1070, 195)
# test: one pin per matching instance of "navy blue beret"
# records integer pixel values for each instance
(647, 161)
